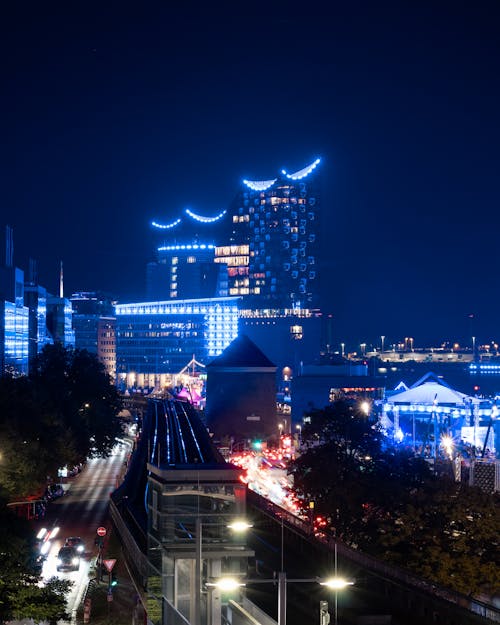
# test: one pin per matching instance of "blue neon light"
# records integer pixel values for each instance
(302, 173)
(259, 185)
(194, 246)
(166, 226)
(205, 220)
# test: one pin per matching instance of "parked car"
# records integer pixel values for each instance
(76, 542)
(68, 558)
(54, 491)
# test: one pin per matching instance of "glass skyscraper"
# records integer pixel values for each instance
(159, 338)
(272, 249)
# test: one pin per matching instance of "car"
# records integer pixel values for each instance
(68, 558)
(76, 542)
(38, 562)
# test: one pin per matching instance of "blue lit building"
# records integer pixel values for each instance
(274, 235)
(184, 267)
(157, 339)
(264, 251)
(35, 298)
(94, 325)
(14, 322)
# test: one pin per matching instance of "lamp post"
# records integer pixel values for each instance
(237, 526)
(335, 583)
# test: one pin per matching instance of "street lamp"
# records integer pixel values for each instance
(336, 584)
(238, 526)
(230, 584)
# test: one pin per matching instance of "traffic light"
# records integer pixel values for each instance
(114, 581)
(257, 445)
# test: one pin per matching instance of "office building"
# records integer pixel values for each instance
(272, 251)
(94, 325)
(157, 339)
(184, 267)
(14, 322)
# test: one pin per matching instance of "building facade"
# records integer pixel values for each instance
(157, 339)
(272, 252)
(14, 322)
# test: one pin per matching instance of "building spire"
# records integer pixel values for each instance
(9, 246)
(61, 282)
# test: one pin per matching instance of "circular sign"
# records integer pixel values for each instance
(101, 531)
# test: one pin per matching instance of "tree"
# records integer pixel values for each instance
(390, 504)
(63, 413)
(20, 594)
(337, 468)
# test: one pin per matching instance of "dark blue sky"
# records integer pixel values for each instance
(115, 115)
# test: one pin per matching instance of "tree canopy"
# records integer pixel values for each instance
(391, 504)
(62, 413)
(21, 596)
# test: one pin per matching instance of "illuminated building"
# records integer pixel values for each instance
(35, 298)
(14, 322)
(94, 325)
(266, 250)
(184, 266)
(156, 339)
(273, 245)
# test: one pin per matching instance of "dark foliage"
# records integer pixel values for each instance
(392, 505)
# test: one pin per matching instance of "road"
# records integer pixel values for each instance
(80, 512)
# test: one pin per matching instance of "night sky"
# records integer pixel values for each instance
(114, 114)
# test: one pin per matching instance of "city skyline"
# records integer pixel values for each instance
(115, 118)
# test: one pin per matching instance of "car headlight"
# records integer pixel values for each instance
(59, 561)
(75, 561)
(80, 548)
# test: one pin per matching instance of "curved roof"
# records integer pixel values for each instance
(259, 185)
(263, 185)
(302, 173)
(429, 393)
(192, 215)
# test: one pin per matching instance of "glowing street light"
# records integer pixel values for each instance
(336, 584)
(365, 407)
(226, 584)
(239, 526)
(447, 445)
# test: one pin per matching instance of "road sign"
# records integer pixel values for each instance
(101, 531)
(109, 564)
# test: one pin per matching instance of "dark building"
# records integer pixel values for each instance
(318, 386)
(289, 338)
(241, 392)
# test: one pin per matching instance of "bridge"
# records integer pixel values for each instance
(172, 511)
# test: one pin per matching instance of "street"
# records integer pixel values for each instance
(80, 512)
